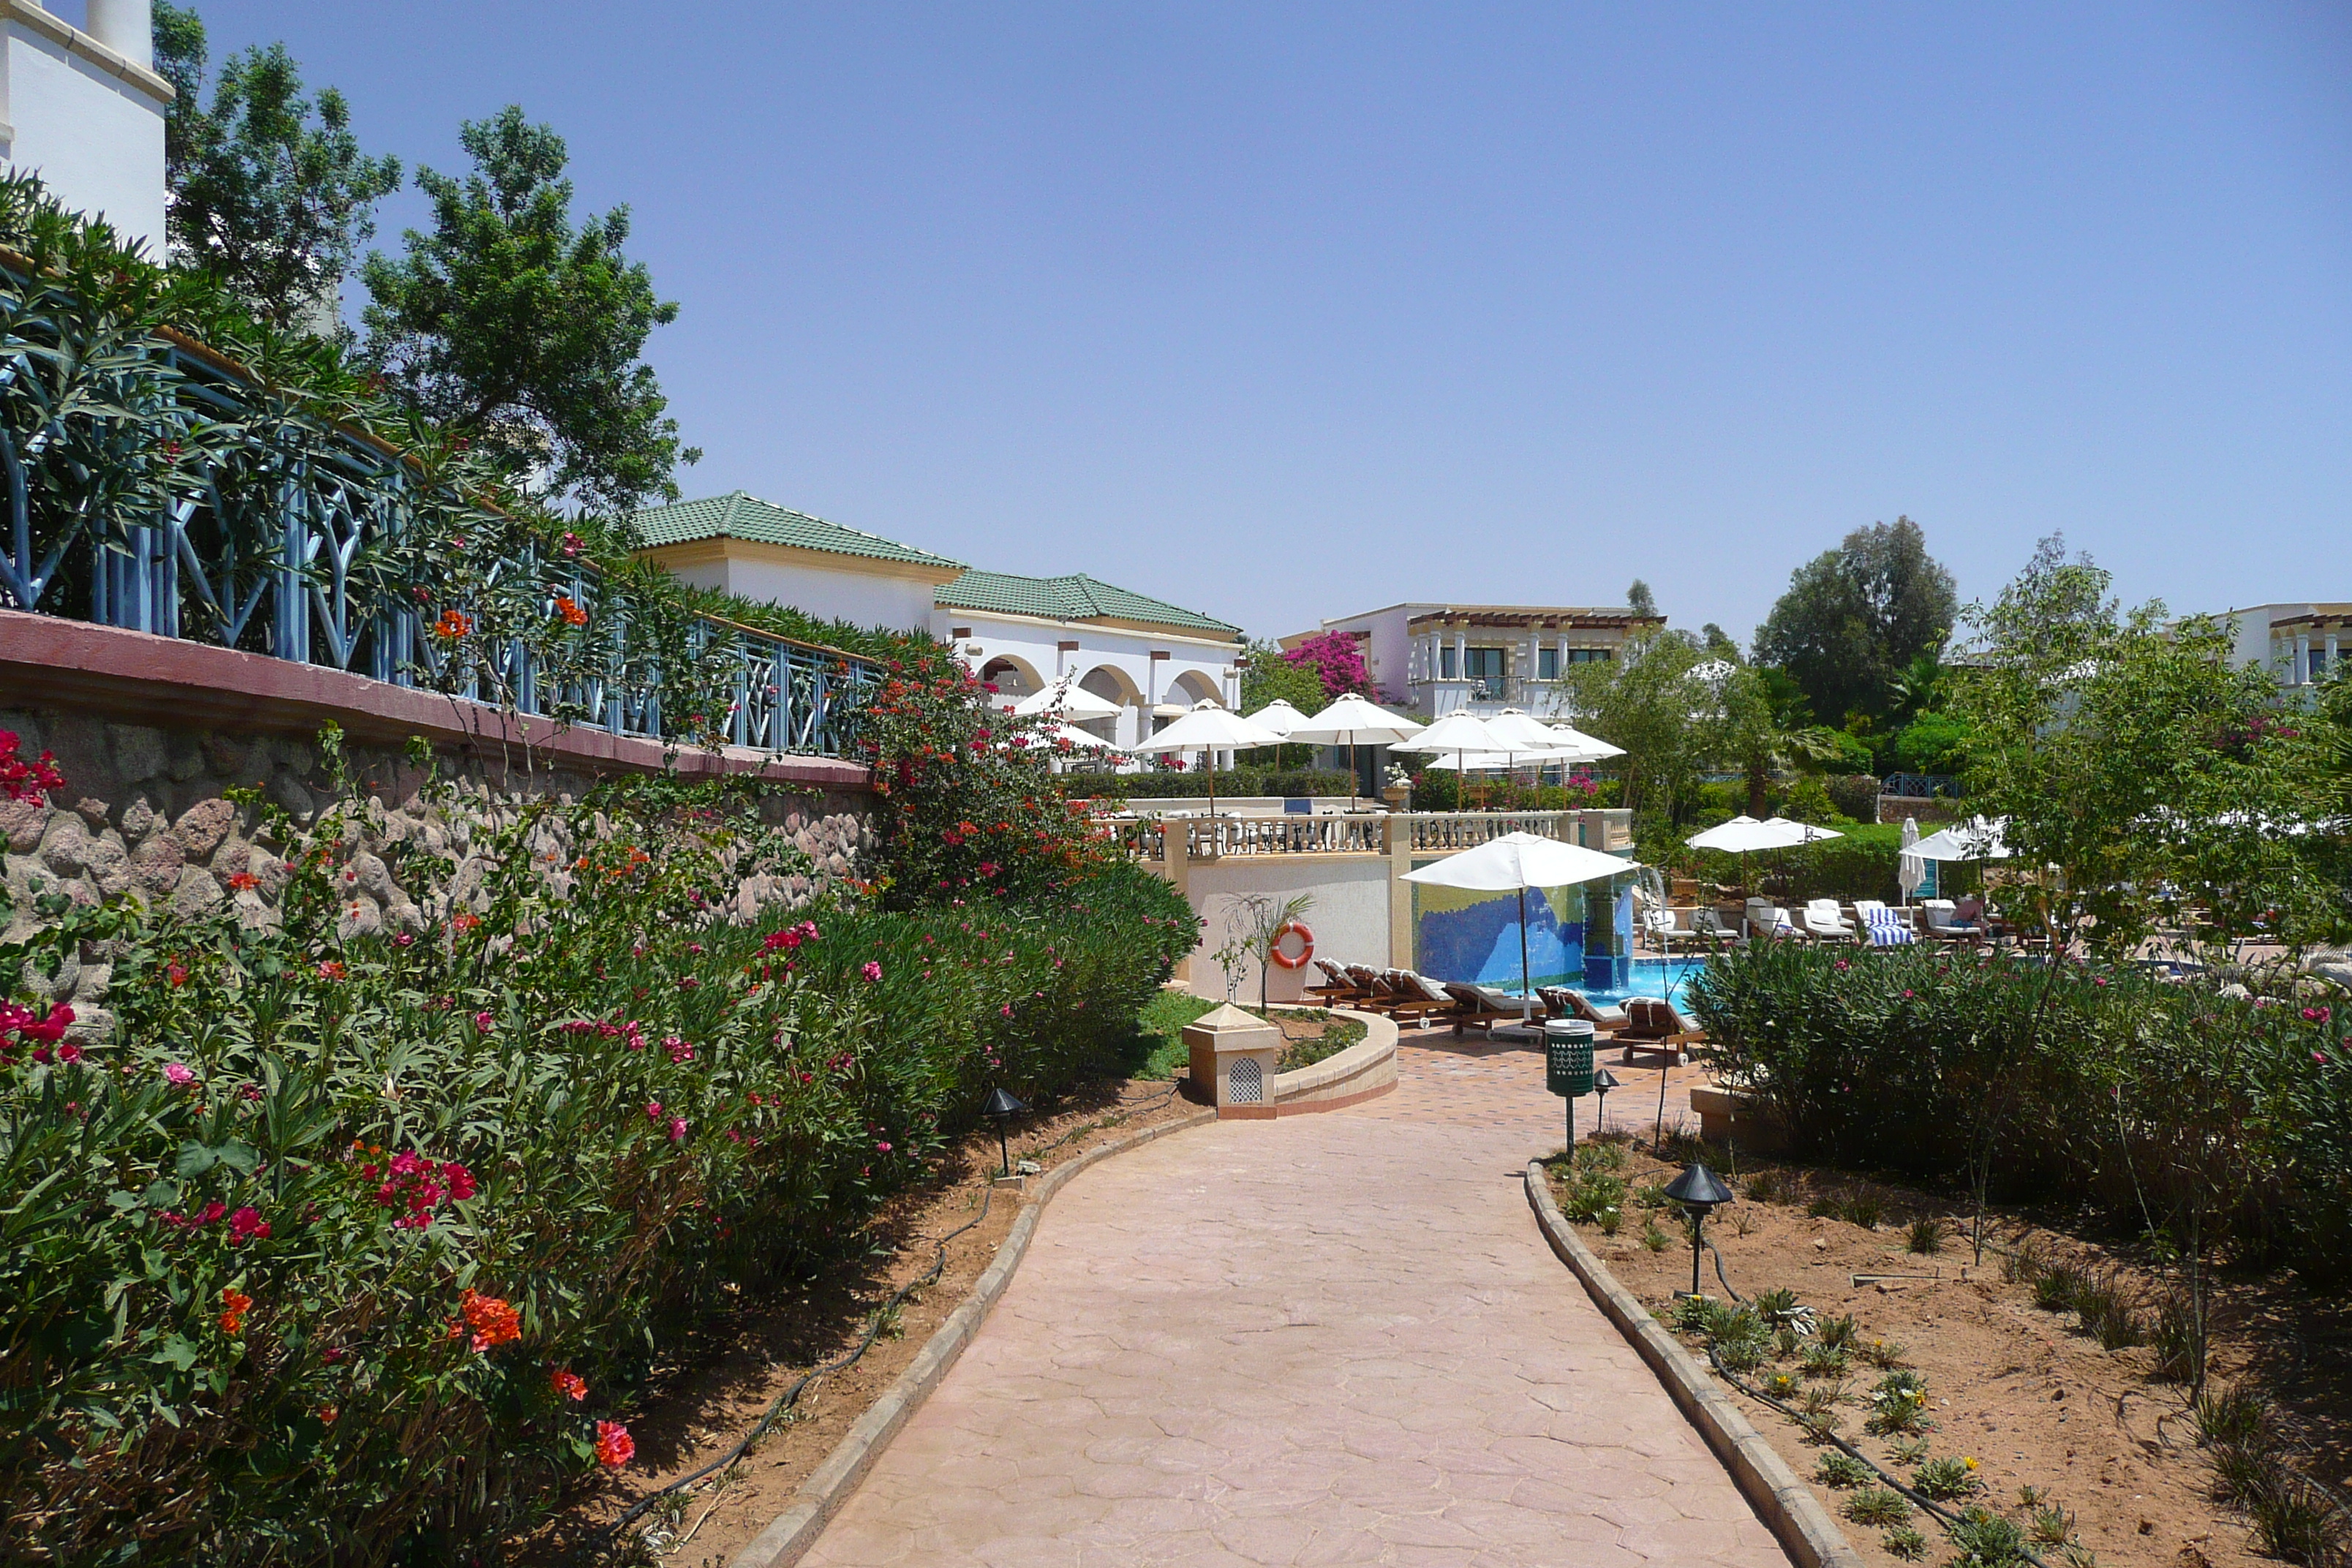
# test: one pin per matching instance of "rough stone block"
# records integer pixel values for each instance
(196, 892)
(62, 843)
(138, 751)
(93, 811)
(22, 823)
(156, 864)
(138, 819)
(202, 825)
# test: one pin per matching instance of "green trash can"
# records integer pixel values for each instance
(1567, 1058)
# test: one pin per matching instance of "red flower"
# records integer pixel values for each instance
(244, 882)
(234, 1304)
(492, 1322)
(332, 970)
(615, 1446)
(246, 1224)
(568, 1384)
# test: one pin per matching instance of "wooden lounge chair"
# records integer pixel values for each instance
(1339, 988)
(1443, 1007)
(1413, 999)
(1825, 922)
(1559, 1002)
(1654, 1027)
(1482, 1008)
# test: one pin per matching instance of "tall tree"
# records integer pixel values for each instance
(510, 324)
(1854, 617)
(1639, 600)
(269, 192)
(1643, 701)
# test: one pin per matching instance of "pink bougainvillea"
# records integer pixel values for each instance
(1337, 660)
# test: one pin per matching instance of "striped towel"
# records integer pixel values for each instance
(1888, 929)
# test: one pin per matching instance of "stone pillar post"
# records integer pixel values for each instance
(1396, 843)
(1232, 1058)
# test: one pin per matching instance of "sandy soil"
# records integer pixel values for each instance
(2016, 1388)
(720, 1383)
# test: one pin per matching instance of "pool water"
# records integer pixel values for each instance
(1666, 977)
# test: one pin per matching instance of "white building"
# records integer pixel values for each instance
(2298, 644)
(1434, 659)
(738, 543)
(84, 109)
(1148, 656)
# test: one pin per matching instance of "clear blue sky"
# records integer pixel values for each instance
(1287, 311)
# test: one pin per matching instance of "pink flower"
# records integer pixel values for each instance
(1006, 1009)
(69, 1053)
(678, 1129)
(246, 1224)
(483, 1021)
(873, 971)
(679, 1051)
(1906, 995)
(653, 1110)
(883, 1148)
(179, 1074)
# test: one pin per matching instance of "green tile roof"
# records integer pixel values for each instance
(1073, 598)
(740, 515)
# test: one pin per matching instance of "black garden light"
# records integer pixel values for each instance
(1003, 1106)
(1602, 1082)
(1700, 1195)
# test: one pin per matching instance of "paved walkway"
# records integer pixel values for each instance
(1328, 1339)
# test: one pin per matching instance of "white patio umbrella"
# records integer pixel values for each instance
(1350, 721)
(1208, 729)
(1520, 734)
(1977, 839)
(1278, 716)
(1064, 698)
(1083, 739)
(1461, 733)
(1594, 748)
(1801, 832)
(1910, 871)
(1516, 862)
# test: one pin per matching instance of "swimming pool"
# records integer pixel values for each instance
(1668, 977)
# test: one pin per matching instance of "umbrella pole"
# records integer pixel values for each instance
(1527, 977)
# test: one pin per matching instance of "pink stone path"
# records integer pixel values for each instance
(1335, 1338)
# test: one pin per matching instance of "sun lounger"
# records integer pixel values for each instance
(1942, 923)
(1883, 926)
(1426, 1000)
(1707, 928)
(1482, 1008)
(1559, 1002)
(1339, 988)
(1654, 1027)
(1824, 922)
(1767, 919)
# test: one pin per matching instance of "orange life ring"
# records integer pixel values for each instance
(1307, 942)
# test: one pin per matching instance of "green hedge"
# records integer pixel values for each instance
(2143, 1096)
(1236, 781)
(353, 1250)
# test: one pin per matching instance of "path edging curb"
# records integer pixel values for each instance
(795, 1531)
(1790, 1509)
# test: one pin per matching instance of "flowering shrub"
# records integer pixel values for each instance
(2149, 1097)
(1337, 660)
(968, 807)
(351, 1249)
(25, 778)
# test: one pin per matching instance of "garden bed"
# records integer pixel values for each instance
(710, 1394)
(2025, 1392)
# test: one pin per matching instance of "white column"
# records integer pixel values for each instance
(126, 27)
(2302, 658)
(1461, 655)
(2331, 653)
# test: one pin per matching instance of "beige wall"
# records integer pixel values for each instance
(1351, 917)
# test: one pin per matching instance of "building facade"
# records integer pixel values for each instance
(1435, 658)
(2298, 644)
(83, 109)
(738, 543)
(1152, 658)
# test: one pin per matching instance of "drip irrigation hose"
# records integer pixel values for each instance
(602, 1540)
(1934, 1510)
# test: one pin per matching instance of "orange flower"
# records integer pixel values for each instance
(234, 1304)
(244, 881)
(327, 1414)
(568, 1384)
(569, 608)
(452, 624)
(493, 1321)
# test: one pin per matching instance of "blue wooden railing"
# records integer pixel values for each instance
(287, 541)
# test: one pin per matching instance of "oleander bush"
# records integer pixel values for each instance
(1193, 784)
(2157, 1099)
(353, 1249)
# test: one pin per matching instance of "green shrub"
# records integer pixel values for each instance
(1906, 1542)
(2057, 1286)
(1839, 1470)
(1877, 1505)
(307, 1254)
(1192, 783)
(2113, 1086)
(1925, 1236)
(1983, 1539)
(1945, 1479)
(2103, 1310)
